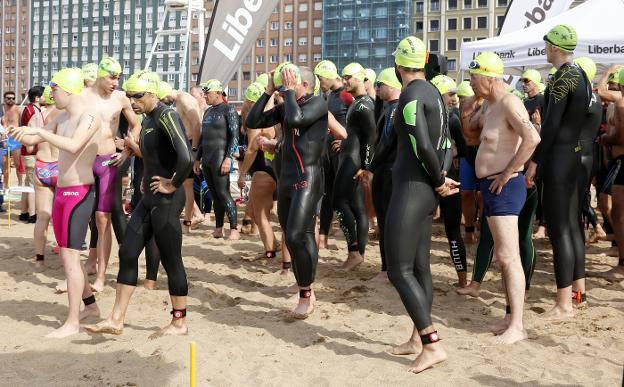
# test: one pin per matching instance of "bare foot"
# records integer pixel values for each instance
(175, 328)
(382, 277)
(149, 284)
(196, 222)
(61, 287)
(64, 331)
(106, 326)
(217, 233)
(285, 272)
(557, 314)
(407, 348)
(89, 310)
(322, 242)
(354, 260)
(90, 268)
(431, 355)
(234, 235)
(512, 335)
(186, 227)
(599, 232)
(304, 307)
(540, 233)
(98, 285)
(471, 290)
(500, 326)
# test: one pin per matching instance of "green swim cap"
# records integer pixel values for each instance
(108, 66)
(277, 76)
(326, 69)
(354, 70)
(143, 81)
(444, 84)
(371, 75)
(254, 92)
(69, 80)
(532, 75)
(588, 65)
(388, 77)
(621, 76)
(411, 53)
(487, 64)
(164, 89)
(89, 71)
(562, 36)
(317, 86)
(263, 79)
(464, 89)
(47, 95)
(212, 85)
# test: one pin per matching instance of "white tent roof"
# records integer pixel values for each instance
(598, 26)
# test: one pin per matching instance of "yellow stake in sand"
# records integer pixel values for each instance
(193, 348)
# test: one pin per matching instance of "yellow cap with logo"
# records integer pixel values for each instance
(326, 69)
(89, 71)
(69, 80)
(263, 79)
(254, 92)
(464, 89)
(487, 64)
(388, 77)
(354, 70)
(588, 65)
(277, 76)
(143, 81)
(444, 84)
(371, 75)
(212, 85)
(532, 75)
(411, 53)
(164, 89)
(108, 66)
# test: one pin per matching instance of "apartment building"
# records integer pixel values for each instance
(14, 40)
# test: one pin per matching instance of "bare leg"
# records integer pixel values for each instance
(261, 198)
(115, 322)
(469, 211)
(410, 347)
(43, 204)
(305, 305)
(472, 290)
(617, 215)
(285, 257)
(354, 259)
(430, 355)
(103, 222)
(188, 205)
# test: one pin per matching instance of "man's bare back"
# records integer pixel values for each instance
(11, 116)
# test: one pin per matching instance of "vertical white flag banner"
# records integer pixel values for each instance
(525, 13)
(234, 27)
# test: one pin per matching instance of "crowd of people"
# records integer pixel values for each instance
(385, 153)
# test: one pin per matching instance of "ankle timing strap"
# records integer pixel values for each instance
(286, 265)
(178, 313)
(305, 293)
(247, 222)
(39, 257)
(89, 300)
(430, 338)
(507, 309)
(270, 254)
(469, 228)
(579, 297)
(354, 247)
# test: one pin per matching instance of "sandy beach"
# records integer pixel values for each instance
(244, 336)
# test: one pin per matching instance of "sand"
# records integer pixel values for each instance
(244, 336)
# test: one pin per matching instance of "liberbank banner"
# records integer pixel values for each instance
(522, 14)
(526, 47)
(234, 27)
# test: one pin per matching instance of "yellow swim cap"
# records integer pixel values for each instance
(487, 64)
(47, 95)
(69, 80)
(444, 84)
(263, 79)
(411, 53)
(354, 70)
(109, 66)
(388, 77)
(254, 92)
(532, 75)
(621, 76)
(317, 86)
(464, 89)
(277, 76)
(326, 69)
(143, 82)
(164, 89)
(588, 65)
(89, 71)
(212, 85)
(562, 36)
(371, 75)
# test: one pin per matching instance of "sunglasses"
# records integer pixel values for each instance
(10, 98)
(346, 77)
(135, 96)
(378, 84)
(525, 80)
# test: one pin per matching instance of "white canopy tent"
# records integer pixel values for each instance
(598, 26)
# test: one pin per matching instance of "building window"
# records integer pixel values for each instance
(451, 64)
(362, 52)
(247, 60)
(260, 59)
(274, 42)
(317, 57)
(467, 3)
(303, 41)
(466, 39)
(420, 7)
(434, 25)
(500, 19)
(451, 44)
(260, 43)
(502, 3)
(288, 8)
(452, 4)
(381, 33)
(273, 59)
(364, 12)
(467, 23)
(288, 42)
(318, 40)
(318, 23)
(482, 22)
(380, 52)
(303, 24)
(434, 45)
(232, 92)
(288, 58)
(434, 5)
(318, 6)
(364, 34)
(274, 26)
(246, 76)
(419, 26)
(303, 58)
(303, 7)
(451, 24)
(288, 26)
(482, 3)
(482, 38)
(381, 11)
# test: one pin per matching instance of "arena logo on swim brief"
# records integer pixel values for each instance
(71, 193)
(613, 49)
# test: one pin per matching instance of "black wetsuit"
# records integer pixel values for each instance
(537, 103)
(300, 186)
(338, 102)
(385, 154)
(356, 152)
(219, 139)
(450, 206)
(559, 162)
(165, 152)
(422, 152)
(589, 157)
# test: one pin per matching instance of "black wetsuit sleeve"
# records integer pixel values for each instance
(200, 149)
(455, 130)
(258, 118)
(366, 126)
(418, 131)
(233, 125)
(297, 117)
(387, 137)
(565, 79)
(171, 123)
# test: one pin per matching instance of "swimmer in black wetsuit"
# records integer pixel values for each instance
(218, 144)
(389, 90)
(422, 154)
(304, 120)
(356, 154)
(338, 102)
(559, 159)
(167, 162)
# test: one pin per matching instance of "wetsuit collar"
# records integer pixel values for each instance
(415, 80)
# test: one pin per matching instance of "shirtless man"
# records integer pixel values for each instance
(198, 94)
(11, 118)
(191, 115)
(507, 141)
(75, 133)
(110, 103)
